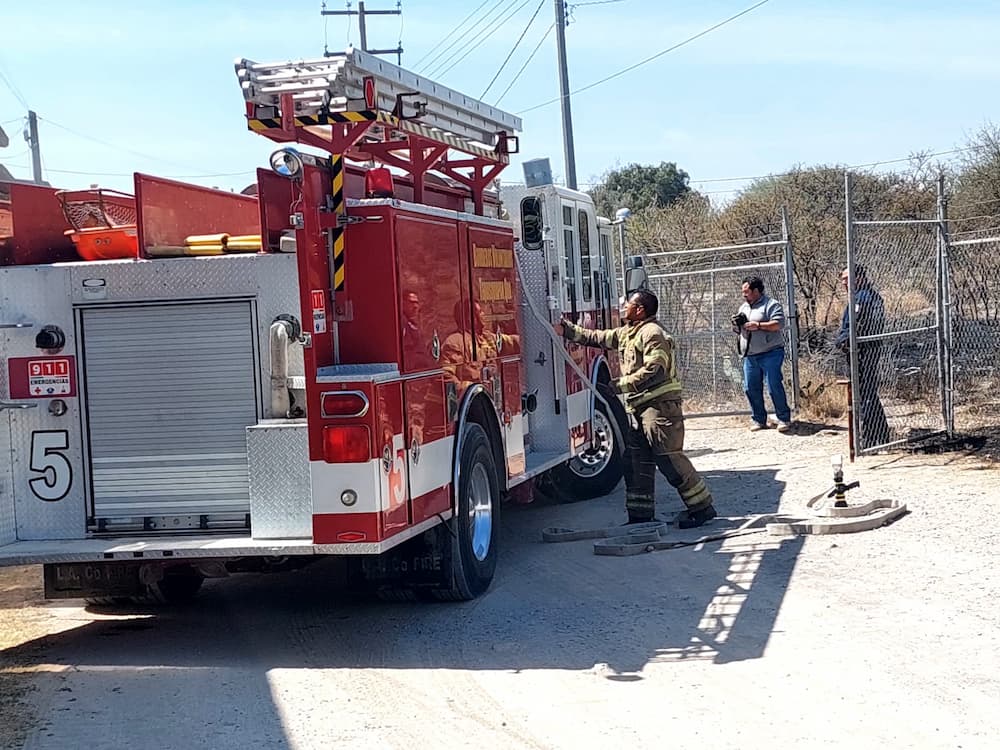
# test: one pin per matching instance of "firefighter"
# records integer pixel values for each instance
(652, 393)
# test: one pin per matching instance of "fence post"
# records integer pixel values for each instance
(715, 353)
(946, 351)
(851, 318)
(793, 310)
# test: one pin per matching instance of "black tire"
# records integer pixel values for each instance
(475, 537)
(596, 472)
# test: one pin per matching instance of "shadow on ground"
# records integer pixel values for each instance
(552, 606)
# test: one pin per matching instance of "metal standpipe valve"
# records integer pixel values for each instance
(839, 491)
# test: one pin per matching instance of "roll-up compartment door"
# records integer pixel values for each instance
(170, 390)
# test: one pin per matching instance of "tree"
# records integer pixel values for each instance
(638, 186)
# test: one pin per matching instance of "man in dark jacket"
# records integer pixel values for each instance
(869, 315)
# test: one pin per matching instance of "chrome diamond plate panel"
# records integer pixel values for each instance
(277, 284)
(40, 295)
(280, 492)
(8, 530)
(548, 430)
(164, 279)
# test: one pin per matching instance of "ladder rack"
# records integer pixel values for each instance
(356, 81)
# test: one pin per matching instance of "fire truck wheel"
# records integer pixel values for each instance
(474, 543)
(597, 471)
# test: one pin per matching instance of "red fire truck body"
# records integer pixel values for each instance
(371, 382)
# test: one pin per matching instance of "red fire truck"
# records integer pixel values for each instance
(357, 358)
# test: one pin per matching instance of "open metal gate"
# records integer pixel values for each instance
(699, 291)
(898, 334)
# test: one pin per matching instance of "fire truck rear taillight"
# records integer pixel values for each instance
(378, 183)
(344, 404)
(349, 444)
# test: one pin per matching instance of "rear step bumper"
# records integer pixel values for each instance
(191, 547)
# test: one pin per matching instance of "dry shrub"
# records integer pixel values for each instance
(821, 396)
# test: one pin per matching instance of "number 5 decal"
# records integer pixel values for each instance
(47, 459)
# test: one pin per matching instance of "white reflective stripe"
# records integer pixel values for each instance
(330, 480)
(433, 468)
(578, 407)
(515, 436)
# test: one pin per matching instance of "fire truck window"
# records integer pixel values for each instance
(531, 223)
(588, 291)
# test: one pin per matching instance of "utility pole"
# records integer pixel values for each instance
(362, 13)
(569, 154)
(36, 151)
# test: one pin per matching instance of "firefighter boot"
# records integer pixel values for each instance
(692, 519)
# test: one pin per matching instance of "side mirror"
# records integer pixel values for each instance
(531, 223)
(636, 277)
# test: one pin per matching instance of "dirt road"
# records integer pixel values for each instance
(882, 639)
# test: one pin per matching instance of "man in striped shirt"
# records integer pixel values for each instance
(652, 394)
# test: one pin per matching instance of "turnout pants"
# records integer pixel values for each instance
(655, 440)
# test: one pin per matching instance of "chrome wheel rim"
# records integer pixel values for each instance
(594, 460)
(480, 512)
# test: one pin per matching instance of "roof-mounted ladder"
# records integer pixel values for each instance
(358, 105)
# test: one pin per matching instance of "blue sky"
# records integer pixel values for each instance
(149, 86)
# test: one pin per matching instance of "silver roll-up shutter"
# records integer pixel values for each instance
(170, 391)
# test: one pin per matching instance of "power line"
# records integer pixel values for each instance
(835, 169)
(109, 145)
(649, 59)
(513, 49)
(489, 26)
(450, 33)
(526, 63)
(399, 7)
(488, 34)
(483, 18)
(166, 176)
(14, 89)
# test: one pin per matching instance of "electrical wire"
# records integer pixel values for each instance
(14, 89)
(326, 26)
(447, 36)
(514, 48)
(834, 169)
(526, 63)
(110, 145)
(434, 67)
(399, 7)
(488, 34)
(650, 59)
(166, 176)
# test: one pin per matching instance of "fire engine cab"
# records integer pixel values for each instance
(356, 358)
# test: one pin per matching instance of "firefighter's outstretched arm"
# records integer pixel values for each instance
(605, 339)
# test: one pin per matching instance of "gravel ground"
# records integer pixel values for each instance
(884, 638)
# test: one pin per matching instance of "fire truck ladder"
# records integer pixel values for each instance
(360, 106)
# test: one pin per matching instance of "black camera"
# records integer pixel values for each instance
(739, 320)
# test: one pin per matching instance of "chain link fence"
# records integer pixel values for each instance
(699, 291)
(973, 265)
(924, 326)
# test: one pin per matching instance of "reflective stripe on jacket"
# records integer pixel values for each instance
(647, 356)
